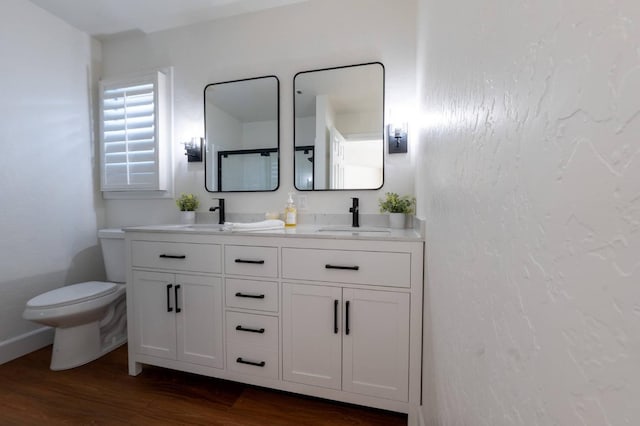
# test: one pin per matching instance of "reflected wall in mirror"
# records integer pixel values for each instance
(339, 128)
(242, 122)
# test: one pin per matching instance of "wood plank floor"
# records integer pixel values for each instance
(102, 393)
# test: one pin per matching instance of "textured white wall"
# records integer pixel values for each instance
(48, 196)
(529, 180)
(281, 42)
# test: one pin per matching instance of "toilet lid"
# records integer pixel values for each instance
(75, 293)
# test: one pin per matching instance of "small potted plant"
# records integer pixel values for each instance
(398, 208)
(187, 203)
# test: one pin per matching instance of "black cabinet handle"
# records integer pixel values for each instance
(172, 256)
(250, 296)
(169, 308)
(257, 364)
(335, 316)
(176, 294)
(250, 330)
(254, 262)
(350, 268)
(346, 326)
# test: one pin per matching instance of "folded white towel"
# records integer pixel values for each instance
(264, 225)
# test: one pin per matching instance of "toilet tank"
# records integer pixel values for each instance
(112, 243)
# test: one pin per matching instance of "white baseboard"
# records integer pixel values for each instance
(25, 343)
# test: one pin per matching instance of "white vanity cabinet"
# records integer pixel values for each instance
(351, 332)
(178, 317)
(175, 303)
(330, 316)
(344, 338)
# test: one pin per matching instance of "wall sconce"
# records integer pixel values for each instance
(397, 138)
(193, 150)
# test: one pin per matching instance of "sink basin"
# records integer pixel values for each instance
(346, 228)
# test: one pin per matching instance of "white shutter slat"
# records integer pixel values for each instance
(129, 90)
(141, 168)
(130, 112)
(116, 104)
(122, 125)
(132, 136)
(141, 157)
(116, 158)
(134, 146)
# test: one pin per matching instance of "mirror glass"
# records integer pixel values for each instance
(242, 122)
(339, 128)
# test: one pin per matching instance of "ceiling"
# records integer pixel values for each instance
(102, 18)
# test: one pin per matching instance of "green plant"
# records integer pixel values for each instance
(393, 203)
(187, 202)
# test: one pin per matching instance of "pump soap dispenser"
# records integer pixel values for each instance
(290, 213)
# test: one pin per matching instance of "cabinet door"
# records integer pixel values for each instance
(376, 347)
(311, 337)
(199, 320)
(155, 326)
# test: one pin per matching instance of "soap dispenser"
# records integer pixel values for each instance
(290, 213)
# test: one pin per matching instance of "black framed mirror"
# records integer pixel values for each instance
(242, 135)
(339, 128)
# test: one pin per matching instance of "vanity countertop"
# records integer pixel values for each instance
(300, 231)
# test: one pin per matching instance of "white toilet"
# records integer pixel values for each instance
(90, 318)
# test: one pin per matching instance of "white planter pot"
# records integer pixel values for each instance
(397, 220)
(188, 218)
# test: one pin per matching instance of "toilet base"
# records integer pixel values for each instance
(81, 344)
(76, 346)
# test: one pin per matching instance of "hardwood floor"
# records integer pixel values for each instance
(102, 393)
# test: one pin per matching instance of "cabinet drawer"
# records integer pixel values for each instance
(252, 330)
(252, 360)
(347, 266)
(248, 294)
(176, 256)
(252, 261)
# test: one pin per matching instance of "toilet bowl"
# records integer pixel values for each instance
(89, 317)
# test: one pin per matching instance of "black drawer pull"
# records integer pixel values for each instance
(250, 296)
(172, 256)
(346, 327)
(254, 262)
(350, 268)
(257, 364)
(250, 330)
(176, 288)
(169, 308)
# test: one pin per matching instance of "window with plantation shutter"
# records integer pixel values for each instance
(134, 151)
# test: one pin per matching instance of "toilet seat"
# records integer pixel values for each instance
(72, 294)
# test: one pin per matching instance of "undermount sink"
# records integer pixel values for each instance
(346, 228)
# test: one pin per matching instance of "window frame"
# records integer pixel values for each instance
(162, 185)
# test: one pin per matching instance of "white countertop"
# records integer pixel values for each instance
(300, 231)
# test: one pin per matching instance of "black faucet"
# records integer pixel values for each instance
(221, 210)
(355, 214)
